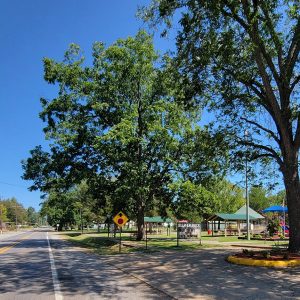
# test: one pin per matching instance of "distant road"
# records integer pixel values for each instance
(30, 269)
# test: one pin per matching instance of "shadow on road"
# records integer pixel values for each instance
(202, 274)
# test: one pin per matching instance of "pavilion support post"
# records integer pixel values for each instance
(239, 228)
(225, 230)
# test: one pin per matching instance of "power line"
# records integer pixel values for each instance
(12, 184)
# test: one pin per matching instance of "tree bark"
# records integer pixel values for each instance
(292, 186)
(140, 222)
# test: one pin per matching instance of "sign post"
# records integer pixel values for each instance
(120, 219)
(146, 237)
(177, 235)
(120, 239)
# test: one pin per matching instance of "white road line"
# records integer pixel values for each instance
(56, 285)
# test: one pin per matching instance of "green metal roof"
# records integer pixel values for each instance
(157, 220)
(234, 217)
(252, 212)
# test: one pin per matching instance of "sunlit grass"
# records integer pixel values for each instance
(99, 244)
(104, 245)
(109, 246)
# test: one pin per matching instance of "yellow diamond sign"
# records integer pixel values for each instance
(120, 219)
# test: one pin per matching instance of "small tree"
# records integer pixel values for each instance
(3, 217)
(273, 226)
(193, 202)
(258, 198)
(32, 216)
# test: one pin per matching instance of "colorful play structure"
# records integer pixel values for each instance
(282, 219)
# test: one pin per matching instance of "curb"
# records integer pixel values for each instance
(263, 263)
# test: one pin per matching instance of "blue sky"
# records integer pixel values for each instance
(29, 31)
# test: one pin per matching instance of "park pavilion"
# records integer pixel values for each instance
(235, 224)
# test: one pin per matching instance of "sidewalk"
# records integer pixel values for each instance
(204, 274)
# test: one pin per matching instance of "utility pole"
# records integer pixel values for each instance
(16, 217)
(1, 223)
(247, 194)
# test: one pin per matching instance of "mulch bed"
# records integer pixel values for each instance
(273, 256)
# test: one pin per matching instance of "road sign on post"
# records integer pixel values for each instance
(120, 219)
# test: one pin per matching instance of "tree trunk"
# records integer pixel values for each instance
(292, 186)
(140, 222)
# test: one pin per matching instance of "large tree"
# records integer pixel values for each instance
(243, 56)
(120, 124)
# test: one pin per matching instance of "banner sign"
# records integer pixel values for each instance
(186, 225)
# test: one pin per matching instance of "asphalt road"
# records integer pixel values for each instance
(31, 267)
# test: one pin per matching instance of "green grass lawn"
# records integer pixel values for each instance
(236, 240)
(100, 243)
(96, 242)
(103, 245)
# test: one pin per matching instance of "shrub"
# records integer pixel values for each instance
(266, 254)
(273, 226)
(276, 251)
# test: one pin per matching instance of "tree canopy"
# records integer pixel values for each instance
(122, 125)
(12, 211)
(243, 60)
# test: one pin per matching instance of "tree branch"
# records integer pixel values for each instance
(273, 34)
(253, 32)
(262, 128)
(262, 155)
(293, 52)
(297, 134)
(233, 15)
(272, 152)
(294, 83)
(263, 61)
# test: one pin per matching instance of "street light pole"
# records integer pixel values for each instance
(247, 194)
(16, 217)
